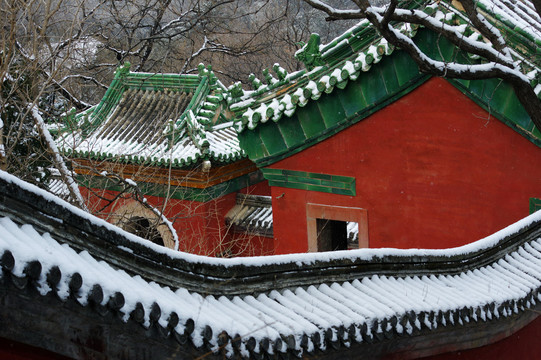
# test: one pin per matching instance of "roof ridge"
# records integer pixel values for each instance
(307, 85)
(24, 202)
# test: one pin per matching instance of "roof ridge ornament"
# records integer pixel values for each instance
(208, 73)
(124, 70)
(310, 54)
(235, 90)
(269, 79)
(256, 83)
(280, 72)
(196, 132)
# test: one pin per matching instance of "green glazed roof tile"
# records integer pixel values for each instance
(155, 119)
(331, 110)
(373, 86)
(273, 140)
(349, 70)
(353, 100)
(292, 132)
(311, 120)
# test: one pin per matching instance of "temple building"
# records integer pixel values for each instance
(159, 157)
(401, 210)
(359, 145)
(362, 135)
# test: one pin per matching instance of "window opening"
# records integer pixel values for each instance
(331, 228)
(331, 235)
(353, 235)
(140, 226)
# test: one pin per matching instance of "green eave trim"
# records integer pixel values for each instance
(180, 193)
(201, 92)
(333, 184)
(535, 205)
(386, 82)
(499, 100)
(106, 106)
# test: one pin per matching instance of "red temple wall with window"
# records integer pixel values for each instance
(200, 226)
(433, 170)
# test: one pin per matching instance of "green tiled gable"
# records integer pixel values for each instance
(319, 120)
(173, 120)
(499, 99)
(334, 184)
(197, 86)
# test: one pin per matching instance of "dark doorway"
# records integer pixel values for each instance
(140, 226)
(331, 235)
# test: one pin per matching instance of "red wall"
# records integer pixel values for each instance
(200, 226)
(433, 170)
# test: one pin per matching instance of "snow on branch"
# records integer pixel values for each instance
(334, 13)
(453, 33)
(486, 42)
(79, 104)
(58, 160)
(210, 46)
(83, 77)
(164, 220)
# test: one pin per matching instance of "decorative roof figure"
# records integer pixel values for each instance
(309, 53)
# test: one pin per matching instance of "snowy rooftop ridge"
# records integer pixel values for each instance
(495, 280)
(262, 104)
(355, 51)
(100, 233)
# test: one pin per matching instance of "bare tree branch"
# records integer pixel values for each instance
(58, 161)
(500, 63)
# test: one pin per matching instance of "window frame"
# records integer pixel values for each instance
(340, 213)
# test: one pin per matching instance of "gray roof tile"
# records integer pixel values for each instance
(311, 309)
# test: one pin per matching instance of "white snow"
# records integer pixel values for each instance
(310, 310)
(58, 160)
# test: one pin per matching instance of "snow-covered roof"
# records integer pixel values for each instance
(518, 20)
(155, 119)
(252, 214)
(267, 102)
(352, 57)
(58, 187)
(296, 304)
